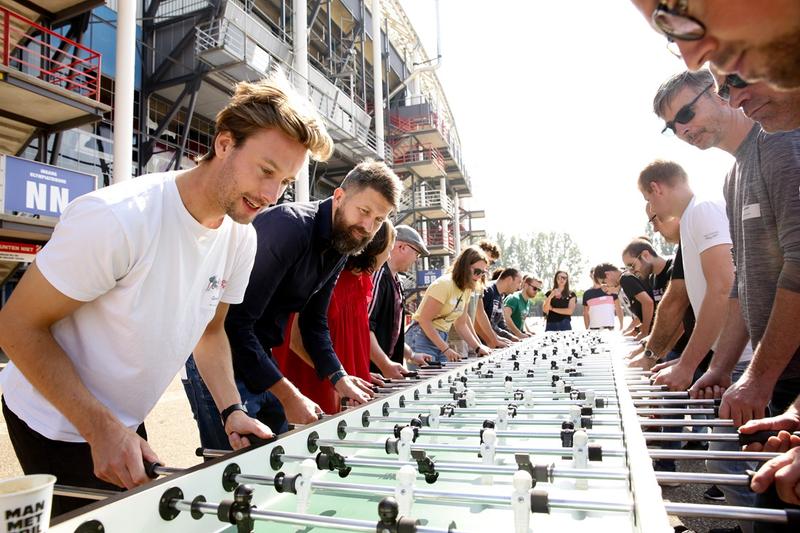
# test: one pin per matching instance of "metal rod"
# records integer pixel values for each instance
(500, 433)
(705, 478)
(709, 454)
(83, 492)
(727, 512)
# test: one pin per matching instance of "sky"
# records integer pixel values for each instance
(553, 105)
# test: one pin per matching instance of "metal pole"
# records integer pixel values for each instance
(123, 91)
(300, 65)
(377, 78)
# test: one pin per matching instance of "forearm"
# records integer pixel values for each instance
(781, 338)
(668, 321)
(427, 328)
(48, 368)
(707, 328)
(732, 340)
(376, 353)
(585, 317)
(484, 328)
(513, 327)
(620, 315)
(647, 316)
(213, 358)
(462, 326)
(561, 310)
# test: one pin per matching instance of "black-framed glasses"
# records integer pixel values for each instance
(684, 114)
(731, 80)
(534, 287)
(479, 272)
(651, 219)
(676, 23)
(637, 258)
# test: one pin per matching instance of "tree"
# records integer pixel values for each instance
(541, 254)
(660, 244)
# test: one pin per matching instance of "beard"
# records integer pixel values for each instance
(783, 70)
(344, 239)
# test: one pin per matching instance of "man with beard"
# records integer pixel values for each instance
(757, 40)
(135, 277)
(302, 248)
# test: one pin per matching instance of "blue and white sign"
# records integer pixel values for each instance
(35, 188)
(426, 277)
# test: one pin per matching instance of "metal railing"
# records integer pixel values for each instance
(49, 56)
(431, 198)
(220, 33)
(440, 239)
(419, 153)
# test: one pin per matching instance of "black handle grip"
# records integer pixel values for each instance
(255, 440)
(150, 469)
(759, 437)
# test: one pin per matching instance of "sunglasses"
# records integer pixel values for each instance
(676, 23)
(651, 219)
(684, 114)
(534, 287)
(731, 80)
(479, 272)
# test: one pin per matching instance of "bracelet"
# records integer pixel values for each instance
(336, 376)
(228, 411)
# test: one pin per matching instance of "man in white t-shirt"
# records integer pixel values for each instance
(707, 264)
(135, 277)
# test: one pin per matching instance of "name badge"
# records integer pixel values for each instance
(751, 211)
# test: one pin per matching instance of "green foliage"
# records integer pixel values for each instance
(542, 254)
(660, 245)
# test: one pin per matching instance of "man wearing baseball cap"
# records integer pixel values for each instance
(388, 349)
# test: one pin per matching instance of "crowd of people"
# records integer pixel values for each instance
(286, 311)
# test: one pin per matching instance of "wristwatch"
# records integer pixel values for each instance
(336, 376)
(650, 354)
(228, 411)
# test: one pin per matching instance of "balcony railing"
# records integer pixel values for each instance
(426, 199)
(419, 153)
(47, 55)
(439, 239)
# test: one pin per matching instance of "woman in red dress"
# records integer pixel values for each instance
(348, 321)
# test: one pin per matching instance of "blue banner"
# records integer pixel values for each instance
(39, 189)
(426, 277)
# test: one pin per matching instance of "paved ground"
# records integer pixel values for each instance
(173, 436)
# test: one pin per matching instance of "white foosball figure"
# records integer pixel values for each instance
(521, 501)
(404, 445)
(580, 456)
(307, 470)
(404, 491)
(487, 452)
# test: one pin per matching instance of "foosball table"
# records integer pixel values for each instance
(544, 436)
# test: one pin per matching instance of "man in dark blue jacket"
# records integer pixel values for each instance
(302, 248)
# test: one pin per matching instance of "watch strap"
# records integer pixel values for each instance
(228, 411)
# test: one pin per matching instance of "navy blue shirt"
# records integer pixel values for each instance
(493, 305)
(295, 270)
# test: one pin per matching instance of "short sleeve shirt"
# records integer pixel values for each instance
(453, 300)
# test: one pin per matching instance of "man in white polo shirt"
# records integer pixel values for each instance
(135, 277)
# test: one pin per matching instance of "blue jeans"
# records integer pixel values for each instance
(419, 342)
(264, 406)
(734, 495)
(561, 325)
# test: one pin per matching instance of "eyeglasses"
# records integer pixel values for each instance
(479, 272)
(684, 114)
(676, 23)
(534, 287)
(415, 250)
(637, 258)
(651, 219)
(731, 80)
(561, 277)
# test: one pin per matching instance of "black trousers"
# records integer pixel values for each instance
(70, 462)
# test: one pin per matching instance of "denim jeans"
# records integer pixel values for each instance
(561, 325)
(264, 406)
(419, 342)
(734, 495)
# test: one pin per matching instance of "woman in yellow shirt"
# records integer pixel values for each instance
(444, 305)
